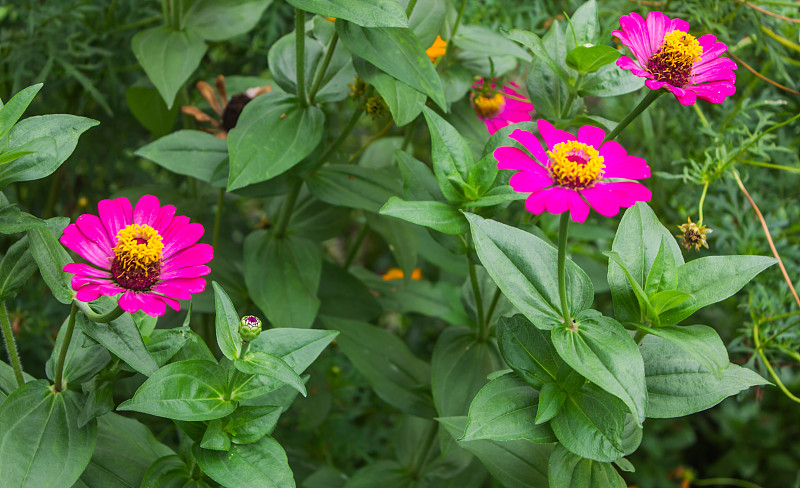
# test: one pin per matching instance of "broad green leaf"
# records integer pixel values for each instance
(663, 274)
(386, 474)
(14, 108)
(639, 238)
(187, 152)
(548, 92)
(551, 398)
(84, 359)
(600, 349)
(397, 376)
(714, 278)
(524, 268)
(366, 13)
(282, 277)
(428, 19)
(16, 267)
(514, 464)
(51, 258)
(121, 337)
(419, 183)
(609, 81)
(186, 390)
(164, 344)
(678, 385)
(397, 52)
(701, 342)
(459, 367)
(591, 424)
(261, 464)
(40, 442)
(354, 186)
(317, 220)
(540, 52)
(214, 438)
(583, 26)
(217, 20)
(646, 308)
(488, 42)
(149, 109)
(666, 300)
(590, 59)
(226, 324)
(63, 129)
(249, 424)
(42, 145)
(505, 410)
(343, 295)
(99, 399)
(273, 134)
(169, 57)
(125, 450)
(436, 215)
(529, 351)
(404, 102)
(170, 472)
(8, 382)
(400, 237)
(263, 364)
(452, 157)
(568, 469)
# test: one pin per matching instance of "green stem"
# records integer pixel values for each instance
(11, 345)
(300, 47)
(409, 134)
(639, 336)
(476, 290)
(700, 205)
(562, 261)
(646, 101)
(418, 464)
(356, 246)
(458, 21)
(288, 208)
(346, 132)
(218, 218)
(493, 306)
(321, 72)
(372, 139)
(98, 318)
(410, 8)
(62, 355)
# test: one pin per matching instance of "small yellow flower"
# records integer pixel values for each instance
(693, 235)
(397, 274)
(437, 50)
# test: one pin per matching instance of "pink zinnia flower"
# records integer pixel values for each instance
(146, 253)
(497, 109)
(574, 172)
(668, 56)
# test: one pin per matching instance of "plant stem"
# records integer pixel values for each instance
(418, 464)
(562, 261)
(356, 246)
(639, 336)
(300, 46)
(218, 218)
(409, 134)
(346, 132)
(493, 306)
(410, 8)
(11, 345)
(700, 205)
(646, 101)
(288, 208)
(321, 71)
(372, 139)
(458, 21)
(476, 290)
(98, 318)
(62, 355)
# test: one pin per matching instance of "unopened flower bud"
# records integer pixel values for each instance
(693, 235)
(249, 327)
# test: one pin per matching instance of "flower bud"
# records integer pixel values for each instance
(249, 327)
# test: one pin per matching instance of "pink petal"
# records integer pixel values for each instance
(578, 208)
(190, 234)
(87, 293)
(655, 85)
(180, 288)
(713, 73)
(130, 301)
(558, 200)
(525, 181)
(73, 239)
(78, 281)
(714, 92)
(532, 144)
(492, 125)
(604, 201)
(116, 215)
(628, 193)
(551, 135)
(627, 63)
(656, 28)
(173, 304)
(629, 167)
(153, 305)
(175, 228)
(91, 227)
(191, 256)
(637, 36)
(591, 135)
(146, 211)
(164, 218)
(678, 24)
(684, 96)
(85, 270)
(535, 203)
(187, 272)
(710, 53)
(611, 151)
(515, 158)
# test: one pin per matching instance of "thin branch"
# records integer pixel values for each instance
(759, 75)
(772, 14)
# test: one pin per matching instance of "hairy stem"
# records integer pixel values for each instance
(300, 46)
(321, 71)
(62, 355)
(11, 345)
(562, 261)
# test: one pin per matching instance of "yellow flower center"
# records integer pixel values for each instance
(488, 107)
(137, 257)
(575, 165)
(674, 60)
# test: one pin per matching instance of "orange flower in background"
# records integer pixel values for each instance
(437, 50)
(228, 111)
(397, 274)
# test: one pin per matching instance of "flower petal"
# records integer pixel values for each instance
(193, 255)
(190, 234)
(532, 144)
(578, 208)
(87, 293)
(73, 239)
(77, 281)
(180, 288)
(515, 158)
(627, 63)
(164, 218)
(187, 272)
(602, 200)
(636, 37)
(558, 200)
(116, 215)
(152, 304)
(535, 203)
(146, 211)
(528, 181)
(92, 227)
(657, 24)
(551, 135)
(591, 135)
(85, 270)
(629, 167)
(714, 92)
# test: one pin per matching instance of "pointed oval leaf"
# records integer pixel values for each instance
(227, 324)
(590, 424)
(263, 364)
(366, 13)
(568, 469)
(187, 152)
(263, 464)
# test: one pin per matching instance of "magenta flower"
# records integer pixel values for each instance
(574, 172)
(146, 253)
(668, 56)
(496, 109)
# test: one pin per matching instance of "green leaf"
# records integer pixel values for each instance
(343, 295)
(400, 237)
(590, 424)
(397, 52)
(217, 20)
(529, 351)
(366, 13)
(169, 57)
(452, 157)
(51, 258)
(701, 342)
(387, 474)
(663, 274)
(121, 337)
(85, 358)
(41, 145)
(40, 442)
(263, 364)
(568, 469)
(226, 324)
(164, 344)
(404, 102)
(478, 39)
(149, 109)
(170, 472)
(16, 267)
(186, 390)
(666, 300)
(214, 438)
(535, 44)
(436, 215)
(641, 297)
(419, 183)
(14, 108)
(524, 268)
(459, 367)
(187, 152)
(609, 81)
(505, 410)
(514, 464)
(678, 385)
(547, 91)
(249, 424)
(714, 278)
(590, 59)
(601, 349)
(638, 241)
(397, 376)
(282, 276)
(583, 26)
(273, 134)
(551, 398)
(353, 186)
(317, 220)
(261, 464)
(63, 129)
